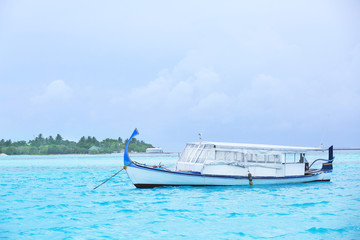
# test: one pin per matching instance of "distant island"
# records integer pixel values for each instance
(57, 145)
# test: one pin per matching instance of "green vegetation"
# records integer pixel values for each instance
(58, 145)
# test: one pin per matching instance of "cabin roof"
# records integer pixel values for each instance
(266, 147)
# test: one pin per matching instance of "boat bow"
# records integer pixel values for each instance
(127, 159)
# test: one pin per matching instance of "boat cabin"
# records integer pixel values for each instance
(237, 159)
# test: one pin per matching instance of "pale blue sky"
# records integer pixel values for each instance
(273, 72)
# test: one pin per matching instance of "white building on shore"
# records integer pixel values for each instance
(154, 150)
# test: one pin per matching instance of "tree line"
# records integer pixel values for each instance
(50, 145)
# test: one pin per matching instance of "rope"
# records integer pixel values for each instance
(111, 176)
(318, 160)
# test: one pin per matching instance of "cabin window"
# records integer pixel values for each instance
(204, 154)
(239, 157)
(220, 155)
(197, 153)
(249, 157)
(260, 158)
(188, 153)
(225, 156)
(228, 156)
(273, 158)
(201, 157)
(191, 154)
(289, 157)
(184, 154)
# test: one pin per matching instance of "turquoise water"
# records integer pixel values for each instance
(51, 197)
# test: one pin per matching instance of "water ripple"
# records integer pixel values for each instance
(56, 201)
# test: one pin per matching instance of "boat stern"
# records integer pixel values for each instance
(328, 166)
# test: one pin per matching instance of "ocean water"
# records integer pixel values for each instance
(52, 197)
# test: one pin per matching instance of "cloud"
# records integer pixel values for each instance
(176, 93)
(56, 91)
(229, 68)
(215, 106)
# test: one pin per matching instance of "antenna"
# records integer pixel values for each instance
(200, 136)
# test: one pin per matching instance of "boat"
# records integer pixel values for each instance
(154, 150)
(232, 164)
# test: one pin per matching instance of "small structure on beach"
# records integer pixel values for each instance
(154, 150)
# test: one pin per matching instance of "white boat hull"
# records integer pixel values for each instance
(146, 177)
